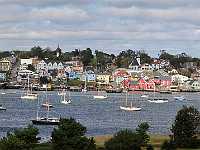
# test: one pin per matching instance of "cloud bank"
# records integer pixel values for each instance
(111, 25)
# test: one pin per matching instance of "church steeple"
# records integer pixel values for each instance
(58, 51)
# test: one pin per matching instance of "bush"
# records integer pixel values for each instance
(128, 139)
(21, 139)
(70, 136)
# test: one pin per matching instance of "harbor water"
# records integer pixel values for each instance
(99, 116)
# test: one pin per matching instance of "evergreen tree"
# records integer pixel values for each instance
(186, 127)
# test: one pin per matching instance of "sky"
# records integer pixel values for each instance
(108, 25)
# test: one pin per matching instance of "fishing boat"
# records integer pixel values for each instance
(2, 108)
(131, 107)
(45, 120)
(66, 101)
(29, 95)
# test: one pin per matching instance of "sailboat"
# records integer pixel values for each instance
(45, 120)
(29, 94)
(64, 101)
(157, 100)
(46, 103)
(61, 93)
(85, 85)
(131, 107)
(98, 96)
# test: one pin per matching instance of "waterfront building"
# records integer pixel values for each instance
(104, 78)
(2, 76)
(5, 65)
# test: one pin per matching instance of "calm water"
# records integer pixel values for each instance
(99, 116)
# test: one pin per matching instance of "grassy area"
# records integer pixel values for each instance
(155, 140)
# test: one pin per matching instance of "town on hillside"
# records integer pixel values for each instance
(85, 69)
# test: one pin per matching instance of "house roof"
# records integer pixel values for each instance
(134, 62)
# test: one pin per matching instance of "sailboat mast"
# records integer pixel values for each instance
(28, 84)
(85, 86)
(47, 103)
(37, 115)
(126, 97)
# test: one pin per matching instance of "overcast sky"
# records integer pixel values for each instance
(111, 25)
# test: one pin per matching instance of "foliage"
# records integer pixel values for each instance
(128, 139)
(70, 136)
(86, 56)
(185, 127)
(74, 82)
(21, 139)
(142, 131)
(31, 67)
(44, 80)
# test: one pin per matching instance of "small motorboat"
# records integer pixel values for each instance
(158, 101)
(180, 98)
(145, 96)
(2, 108)
(99, 97)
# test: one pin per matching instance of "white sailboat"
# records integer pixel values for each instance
(157, 100)
(61, 93)
(98, 96)
(2, 108)
(46, 103)
(129, 108)
(66, 101)
(45, 120)
(29, 95)
(85, 85)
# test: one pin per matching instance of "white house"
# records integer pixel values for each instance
(60, 66)
(180, 79)
(26, 61)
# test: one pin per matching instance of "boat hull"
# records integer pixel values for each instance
(66, 102)
(100, 97)
(45, 121)
(31, 97)
(130, 108)
(158, 101)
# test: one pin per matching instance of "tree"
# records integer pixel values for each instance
(128, 139)
(185, 127)
(86, 56)
(21, 139)
(37, 51)
(31, 67)
(70, 136)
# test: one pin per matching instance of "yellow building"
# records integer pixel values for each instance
(5, 65)
(104, 78)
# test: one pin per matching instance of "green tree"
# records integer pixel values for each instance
(37, 51)
(128, 139)
(86, 56)
(70, 136)
(185, 127)
(23, 139)
(31, 67)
